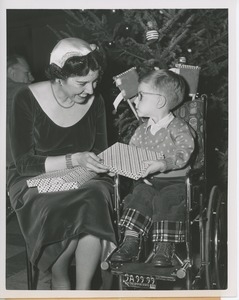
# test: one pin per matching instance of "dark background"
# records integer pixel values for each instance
(28, 35)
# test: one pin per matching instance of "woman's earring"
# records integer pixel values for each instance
(60, 83)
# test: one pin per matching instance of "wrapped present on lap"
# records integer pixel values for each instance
(120, 158)
(128, 160)
(62, 180)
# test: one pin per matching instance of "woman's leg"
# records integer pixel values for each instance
(87, 257)
(60, 270)
(87, 252)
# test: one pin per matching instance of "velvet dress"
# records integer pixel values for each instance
(48, 221)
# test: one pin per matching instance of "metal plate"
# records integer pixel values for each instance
(139, 281)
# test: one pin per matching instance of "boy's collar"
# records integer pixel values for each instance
(163, 123)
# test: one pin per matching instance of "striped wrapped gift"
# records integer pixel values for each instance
(128, 160)
(120, 158)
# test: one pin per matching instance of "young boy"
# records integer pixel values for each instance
(157, 202)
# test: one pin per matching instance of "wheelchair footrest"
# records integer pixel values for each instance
(142, 275)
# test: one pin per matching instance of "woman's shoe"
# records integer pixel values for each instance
(128, 251)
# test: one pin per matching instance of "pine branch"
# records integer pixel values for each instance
(72, 15)
(195, 36)
(210, 44)
(175, 43)
(130, 48)
(170, 23)
(165, 13)
(187, 24)
(56, 33)
(133, 55)
(71, 32)
(143, 26)
(95, 19)
(75, 25)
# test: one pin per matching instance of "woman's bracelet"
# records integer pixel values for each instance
(69, 164)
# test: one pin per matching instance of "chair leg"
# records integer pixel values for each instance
(9, 210)
(107, 280)
(32, 274)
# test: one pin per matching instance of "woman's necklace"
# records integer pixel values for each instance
(57, 101)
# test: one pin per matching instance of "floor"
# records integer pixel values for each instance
(16, 272)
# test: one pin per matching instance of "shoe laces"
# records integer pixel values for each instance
(165, 248)
(128, 243)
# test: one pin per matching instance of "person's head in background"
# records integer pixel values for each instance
(18, 70)
(159, 92)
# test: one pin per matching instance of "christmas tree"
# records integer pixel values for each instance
(132, 37)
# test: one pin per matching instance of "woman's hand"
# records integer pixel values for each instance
(90, 161)
(153, 167)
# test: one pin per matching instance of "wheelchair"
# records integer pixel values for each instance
(201, 262)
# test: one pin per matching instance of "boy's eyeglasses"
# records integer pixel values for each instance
(140, 95)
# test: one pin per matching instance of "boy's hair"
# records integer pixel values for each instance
(168, 82)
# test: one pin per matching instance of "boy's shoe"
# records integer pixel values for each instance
(128, 251)
(163, 254)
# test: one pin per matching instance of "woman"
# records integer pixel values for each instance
(59, 124)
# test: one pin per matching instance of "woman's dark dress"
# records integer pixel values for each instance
(49, 220)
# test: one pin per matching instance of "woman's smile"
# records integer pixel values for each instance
(80, 98)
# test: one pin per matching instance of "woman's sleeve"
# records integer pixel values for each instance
(21, 135)
(101, 142)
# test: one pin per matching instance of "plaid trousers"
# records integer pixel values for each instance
(159, 208)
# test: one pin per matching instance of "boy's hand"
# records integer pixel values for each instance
(111, 174)
(90, 161)
(154, 166)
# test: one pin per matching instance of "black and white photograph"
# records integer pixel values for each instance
(119, 149)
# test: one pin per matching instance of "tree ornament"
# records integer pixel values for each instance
(152, 34)
(124, 30)
(111, 44)
(182, 60)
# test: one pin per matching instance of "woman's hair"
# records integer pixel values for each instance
(77, 66)
(170, 84)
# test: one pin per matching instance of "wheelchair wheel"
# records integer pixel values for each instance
(216, 241)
